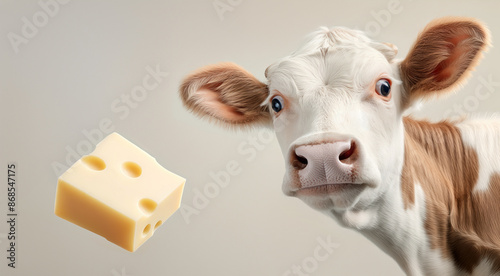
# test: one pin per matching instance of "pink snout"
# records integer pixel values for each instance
(325, 163)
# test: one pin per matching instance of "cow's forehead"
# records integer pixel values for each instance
(332, 58)
(351, 67)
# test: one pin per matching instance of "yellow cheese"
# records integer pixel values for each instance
(119, 192)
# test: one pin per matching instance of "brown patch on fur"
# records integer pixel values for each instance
(464, 225)
(476, 227)
(443, 54)
(227, 93)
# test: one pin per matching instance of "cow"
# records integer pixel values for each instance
(426, 193)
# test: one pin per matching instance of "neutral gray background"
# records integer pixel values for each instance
(89, 54)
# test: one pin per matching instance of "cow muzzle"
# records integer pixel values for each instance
(325, 167)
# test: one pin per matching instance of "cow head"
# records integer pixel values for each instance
(336, 105)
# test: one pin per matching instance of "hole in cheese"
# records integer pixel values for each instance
(158, 224)
(94, 162)
(146, 229)
(132, 169)
(147, 206)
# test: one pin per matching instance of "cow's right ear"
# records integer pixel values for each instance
(228, 93)
(442, 57)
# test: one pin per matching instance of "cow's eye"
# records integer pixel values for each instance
(277, 103)
(383, 87)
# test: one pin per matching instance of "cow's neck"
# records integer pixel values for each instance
(413, 216)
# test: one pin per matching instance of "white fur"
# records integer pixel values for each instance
(482, 134)
(402, 235)
(328, 86)
(326, 94)
(484, 269)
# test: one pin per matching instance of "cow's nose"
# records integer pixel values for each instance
(340, 152)
(330, 162)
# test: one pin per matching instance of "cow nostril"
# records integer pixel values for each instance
(302, 159)
(299, 162)
(348, 156)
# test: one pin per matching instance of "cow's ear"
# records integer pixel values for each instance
(227, 93)
(442, 57)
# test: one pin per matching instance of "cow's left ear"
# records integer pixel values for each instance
(227, 93)
(442, 57)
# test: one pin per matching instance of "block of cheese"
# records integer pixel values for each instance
(119, 192)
